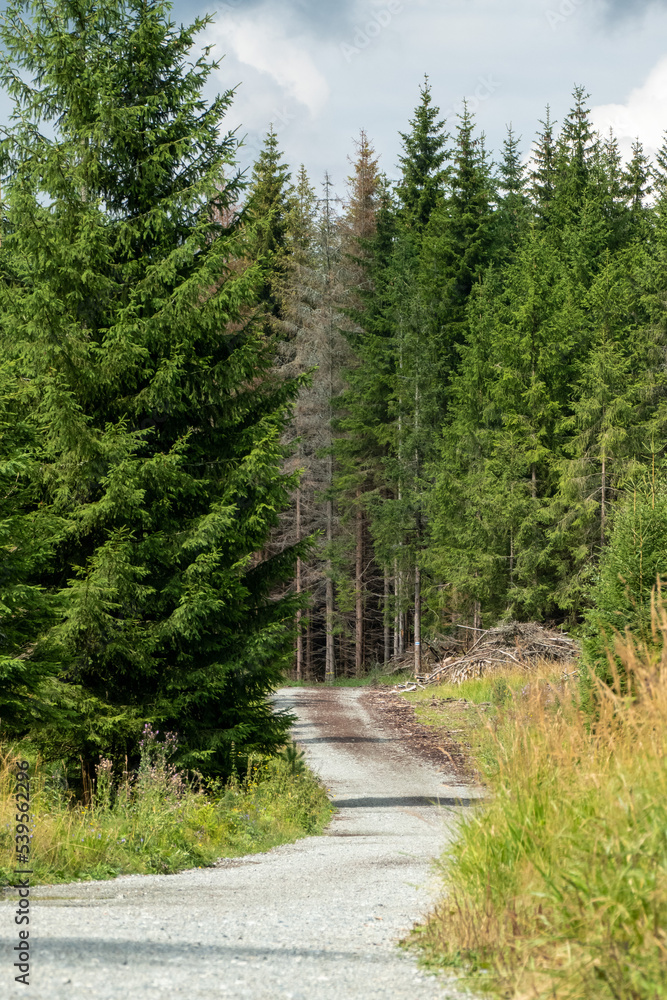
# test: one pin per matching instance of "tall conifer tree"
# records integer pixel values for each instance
(127, 303)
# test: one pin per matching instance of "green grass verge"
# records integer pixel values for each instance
(155, 823)
(372, 678)
(557, 887)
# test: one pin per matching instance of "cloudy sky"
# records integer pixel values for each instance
(321, 70)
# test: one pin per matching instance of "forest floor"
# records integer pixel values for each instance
(315, 920)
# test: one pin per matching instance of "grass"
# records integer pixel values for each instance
(156, 822)
(372, 678)
(557, 888)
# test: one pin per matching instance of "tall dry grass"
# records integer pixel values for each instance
(558, 887)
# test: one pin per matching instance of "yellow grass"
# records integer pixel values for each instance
(558, 887)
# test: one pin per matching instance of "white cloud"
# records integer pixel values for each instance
(262, 43)
(643, 115)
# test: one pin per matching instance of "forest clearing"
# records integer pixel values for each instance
(280, 458)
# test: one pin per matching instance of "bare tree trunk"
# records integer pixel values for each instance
(299, 614)
(387, 631)
(418, 620)
(359, 585)
(477, 615)
(309, 649)
(330, 668)
(397, 617)
(533, 476)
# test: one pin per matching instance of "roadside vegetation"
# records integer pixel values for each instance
(557, 887)
(376, 676)
(155, 820)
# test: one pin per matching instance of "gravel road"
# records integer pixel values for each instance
(315, 920)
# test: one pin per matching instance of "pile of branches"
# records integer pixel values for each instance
(521, 644)
(433, 652)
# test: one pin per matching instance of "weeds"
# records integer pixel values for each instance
(154, 821)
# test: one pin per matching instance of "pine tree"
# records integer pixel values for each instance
(359, 455)
(27, 534)
(267, 210)
(543, 170)
(127, 303)
(457, 248)
(611, 409)
(419, 192)
(299, 350)
(513, 212)
(637, 190)
(576, 149)
(422, 163)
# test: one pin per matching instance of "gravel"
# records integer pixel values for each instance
(316, 920)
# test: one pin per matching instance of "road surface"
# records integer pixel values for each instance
(316, 920)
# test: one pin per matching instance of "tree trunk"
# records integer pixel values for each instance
(359, 586)
(397, 621)
(309, 649)
(299, 614)
(330, 667)
(418, 621)
(387, 630)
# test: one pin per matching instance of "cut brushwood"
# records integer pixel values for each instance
(521, 644)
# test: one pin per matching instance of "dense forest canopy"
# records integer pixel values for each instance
(247, 425)
(506, 391)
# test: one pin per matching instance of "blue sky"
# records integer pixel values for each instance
(321, 71)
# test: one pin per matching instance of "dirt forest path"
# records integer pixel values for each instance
(315, 920)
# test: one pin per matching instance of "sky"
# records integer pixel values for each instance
(321, 70)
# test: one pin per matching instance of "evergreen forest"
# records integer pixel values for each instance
(250, 425)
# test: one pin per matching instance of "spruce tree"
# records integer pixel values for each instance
(638, 189)
(513, 214)
(28, 531)
(266, 211)
(360, 456)
(423, 162)
(633, 571)
(127, 303)
(419, 192)
(543, 170)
